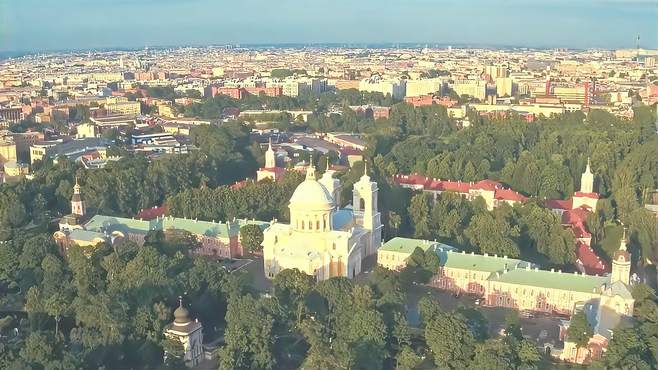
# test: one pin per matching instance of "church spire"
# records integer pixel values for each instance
(622, 244)
(310, 170)
(587, 179)
(76, 187)
(365, 176)
(270, 158)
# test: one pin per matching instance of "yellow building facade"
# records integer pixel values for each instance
(323, 240)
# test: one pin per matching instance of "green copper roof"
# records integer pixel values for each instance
(406, 245)
(262, 224)
(206, 228)
(89, 236)
(552, 280)
(100, 223)
(478, 262)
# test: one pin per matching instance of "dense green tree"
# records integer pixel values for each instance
(450, 340)
(248, 335)
(492, 235)
(580, 330)
(419, 211)
(251, 237)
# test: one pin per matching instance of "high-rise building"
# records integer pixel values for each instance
(396, 88)
(496, 71)
(425, 86)
(474, 88)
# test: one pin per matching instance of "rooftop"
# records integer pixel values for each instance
(552, 280)
(406, 245)
(479, 262)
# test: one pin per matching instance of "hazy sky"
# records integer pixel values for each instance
(36, 25)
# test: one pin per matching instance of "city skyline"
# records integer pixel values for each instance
(605, 24)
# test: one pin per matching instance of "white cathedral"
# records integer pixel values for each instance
(323, 240)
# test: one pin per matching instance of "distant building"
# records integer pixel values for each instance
(492, 192)
(13, 114)
(14, 171)
(270, 170)
(371, 111)
(72, 149)
(124, 108)
(7, 149)
(393, 87)
(425, 100)
(85, 130)
(473, 88)
(425, 87)
(496, 71)
(505, 86)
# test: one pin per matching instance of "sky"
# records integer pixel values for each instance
(47, 25)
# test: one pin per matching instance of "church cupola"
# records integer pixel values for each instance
(311, 205)
(621, 263)
(78, 207)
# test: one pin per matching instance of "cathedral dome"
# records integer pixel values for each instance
(311, 195)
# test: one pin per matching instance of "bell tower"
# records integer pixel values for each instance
(332, 184)
(366, 213)
(78, 206)
(621, 264)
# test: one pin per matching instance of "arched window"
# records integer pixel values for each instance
(310, 225)
(362, 204)
(302, 225)
(317, 225)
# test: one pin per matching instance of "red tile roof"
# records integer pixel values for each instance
(579, 231)
(511, 195)
(574, 216)
(580, 194)
(501, 193)
(152, 213)
(487, 185)
(275, 170)
(350, 151)
(559, 204)
(592, 264)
